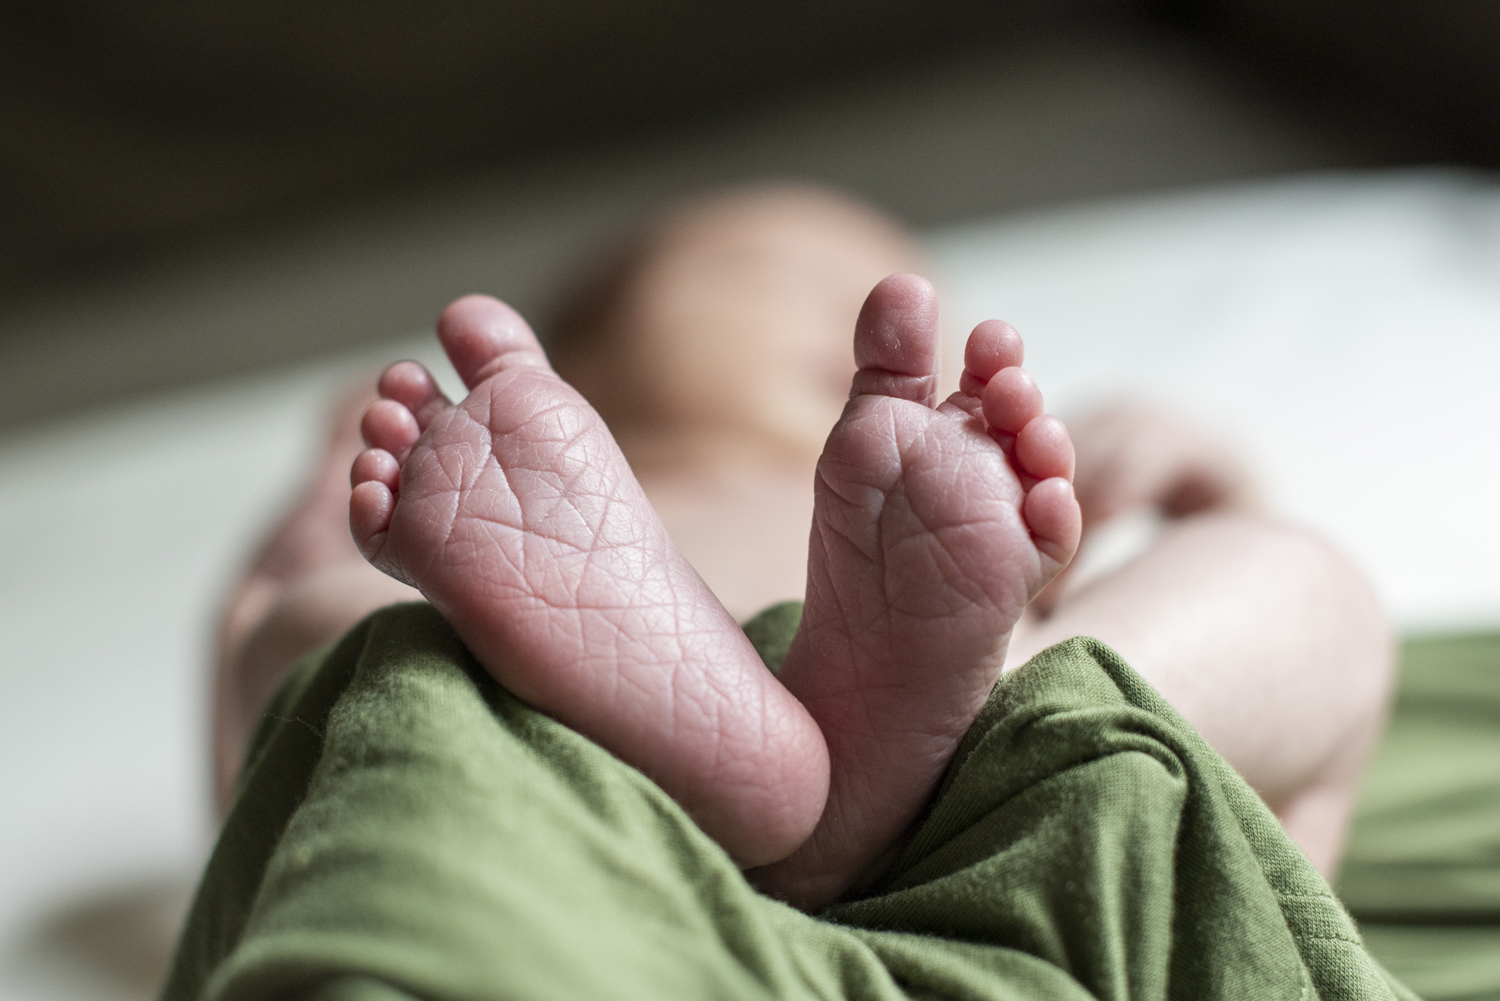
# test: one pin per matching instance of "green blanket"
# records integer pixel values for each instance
(1422, 871)
(405, 828)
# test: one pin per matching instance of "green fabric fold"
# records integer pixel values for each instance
(1422, 868)
(406, 828)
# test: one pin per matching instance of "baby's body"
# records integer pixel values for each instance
(934, 525)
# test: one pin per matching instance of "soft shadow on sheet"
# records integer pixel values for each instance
(114, 944)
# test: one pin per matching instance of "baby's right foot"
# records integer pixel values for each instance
(934, 525)
(516, 515)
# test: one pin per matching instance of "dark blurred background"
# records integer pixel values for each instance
(191, 191)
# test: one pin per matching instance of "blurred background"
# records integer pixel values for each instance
(193, 190)
(1281, 216)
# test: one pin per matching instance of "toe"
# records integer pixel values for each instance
(896, 341)
(390, 426)
(1011, 400)
(483, 336)
(370, 507)
(376, 465)
(1044, 450)
(1052, 514)
(412, 386)
(992, 346)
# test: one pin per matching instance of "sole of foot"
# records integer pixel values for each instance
(934, 526)
(516, 515)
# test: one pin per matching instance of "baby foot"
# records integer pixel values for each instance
(933, 528)
(516, 515)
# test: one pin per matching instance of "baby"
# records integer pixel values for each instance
(606, 592)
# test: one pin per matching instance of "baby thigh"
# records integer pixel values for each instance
(1270, 642)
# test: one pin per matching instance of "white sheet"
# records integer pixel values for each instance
(1345, 328)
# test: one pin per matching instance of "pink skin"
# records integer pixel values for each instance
(516, 515)
(934, 526)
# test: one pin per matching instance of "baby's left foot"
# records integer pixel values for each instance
(934, 525)
(518, 517)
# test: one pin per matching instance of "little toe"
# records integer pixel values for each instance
(896, 341)
(412, 386)
(370, 506)
(376, 465)
(1044, 450)
(390, 426)
(483, 336)
(1051, 512)
(1011, 400)
(992, 346)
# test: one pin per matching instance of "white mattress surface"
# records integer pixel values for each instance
(1344, 328)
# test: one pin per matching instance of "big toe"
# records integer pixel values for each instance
(896, 341)
(483, 336)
